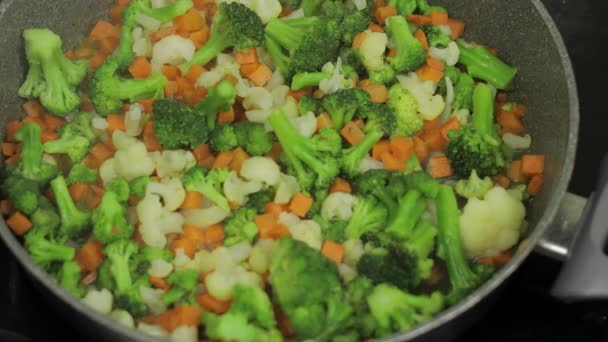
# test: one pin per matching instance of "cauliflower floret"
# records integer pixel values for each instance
(204, 217)
(430, 106)
(123, 317)
(360, 4)
(279, 94)
(258, 98)
(131, 159)
(288, 219)
(152, 330)
(261, 169)
(99, 300)
(353, 250)
(337, 80)
(237, 189)
(203, 261)
(160, 268)
(449, 55)
(172, 49)
(491, 225)
(156, 221)
(347, 273)
(142, 45)
(148, 23)
(184, 333)
(239, 252)
(463, 116)
(225, 65)
(153, 298)
(288, 186)
(369, 163)
(372, 50)
(221, 281)
(264, 57)
(170, 190)
(517, 142)
(134, 120)
(260, 256)
(266, 9)
(338, 205)
(307, 231)
(305, 124)
(107, 172)
(174, 163)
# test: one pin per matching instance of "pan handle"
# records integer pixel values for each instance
(584, 275)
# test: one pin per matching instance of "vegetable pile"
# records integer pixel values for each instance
(265, 170)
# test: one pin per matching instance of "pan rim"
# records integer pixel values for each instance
(446, 316)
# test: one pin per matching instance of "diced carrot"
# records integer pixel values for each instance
(421, 149)
(486, 260)
(9, 149)
(98, 190)
(159, 283)
(429, 74)
(379, 148)
(230, 78)
(90, 256)
(359, 39)
(78, 190)
(212, 304)
(140, 68)
(300, 204)
(377, 92)
(532, 164)
(375, 27)
(392, 52)
(333, 251)
(275, 152)
(5, 207)
(266, 224)
(381, 13)
(85, 52)
(192, 200)
(201, 152)
(435, 64)
(91, 162)
(146, 104)
(502, 181)
(48, 135)
(434, 140)
(274, 209)
(418, 19)
(116, 122)
(246, 57)
(38, 121)
(510, 123)
(502, 258)
(450, 125)
(189, 22)
(171, 72)
(104, 29)
(317, 94)
(340, 185)
(223, 159)
(194, 73)
(439, 167)
(239, 156)
(53, 122)
(189, 246)
(121, 2)
(514, 171)
(456, 27)
(298, 94)
(438, 18)
(535, 185)
(32, 108)
(421, 36)
(207, 162)
(391, 163)
(324, 121)
(402, 148)
(11, 129)
(12, 160)
(249, 68)
(352, 133)
(162, 33)
(19, 223)
(260, 76)
(101, 152)
(214, 234)
(108, 45)
(189, 315)
(519, 110)
(183, 85)
(279, 231)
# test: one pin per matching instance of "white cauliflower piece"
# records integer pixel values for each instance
(372, 50)
(258, 115)
(309, 232)
(123, 317)
(131, 159)
(337, 80)
(184, 333)
(204, 217)
(517, 142)
(353, 250)
(156, 221)
(260, 256)
(147, 22)
(99, 300)
(152, 330)
(237, 189)
(279, 94)
(107, 172)
(142, 45)
(450, 55)
(360, 4)
(203, 261)
(153, 298)
(174, 163)
(173, 49)
(134, 119)
(430, 106)
(261, 169)
(170, 190)
(288, 186)
(266, 9)
(221, 281)
(225, 65)
(347, 273)
(264, 57)
(463, 116)
(288, 219)
(160, 268)
(369, 163)
(338, 205)
(305, 124)
(239, 252)
(258, 98)
(491, 225)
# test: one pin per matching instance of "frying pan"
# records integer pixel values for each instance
(524, 35)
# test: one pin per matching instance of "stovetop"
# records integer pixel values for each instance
(525, 311)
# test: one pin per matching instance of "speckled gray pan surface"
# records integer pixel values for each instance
(522, 32)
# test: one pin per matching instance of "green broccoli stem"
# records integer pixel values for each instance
(408, 212)
(352, 157)
(280, 60)
(29, 134)
(483, 110)
(462, 276)
(286, 35)
(219, 98)
(43, 252)
(308, 79)
(69, 278)
(482, 64)
(204, 55)
(73, 221)
(422, 240)
(404, 7)
(368, 216)
(301, 23)
(136, 89)
(310, 6)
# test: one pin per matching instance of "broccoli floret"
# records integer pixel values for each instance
(353, 24)
(463, 93)
(46, 215)
(482, 64)
(309, 104)
(177, 125)
(386, 186)
(75, 138)
(80, 173)
(109, 221)
(308, 47)
(392, 264)
(308, 79)
(137, 186)
(69, 278)
(454, 74)
(309, 158)
(308, 289)
(31, 165)
(131, 299)
(140, 263)
(240, 227)
(405, 107)
(45, 248)
(222, 138)
(332, 230)
(404, 7)
(477, 146)
(234, 25)
(108, 90)
(74, 222)
(355, 295)
(250, 318)
(410, 208)
(385, 75)
(51, 76)
(209, 183)
(253, 137)
(368, 216)
(380, 122)
(219, 98)
(410, 53)
(343, 104)
(424, 183)
(258, 200)
(435, 37)
(23, 193)
(463, 278)
(184, 284)
(474, 187)
(119, 255)
(395, 310)
(350, 60)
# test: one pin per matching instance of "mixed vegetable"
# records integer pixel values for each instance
(256, 170)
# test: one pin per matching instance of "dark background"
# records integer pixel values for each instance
(525, 312)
